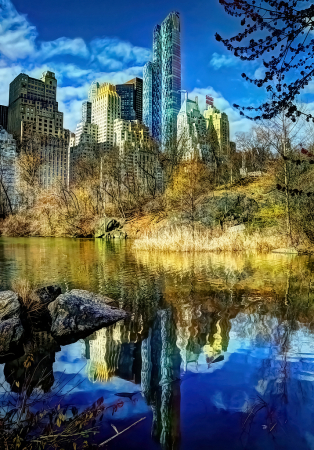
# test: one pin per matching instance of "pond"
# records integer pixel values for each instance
(218, 350)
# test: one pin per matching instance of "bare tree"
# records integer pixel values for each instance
(285, 46)
(255, 151)
(283, 136)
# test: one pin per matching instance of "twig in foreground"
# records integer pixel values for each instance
(120, 432)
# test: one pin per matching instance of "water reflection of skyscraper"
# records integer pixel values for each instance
(153, 357)
(113, 351)
(161, 379)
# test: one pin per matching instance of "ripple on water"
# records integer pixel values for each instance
(254, 311)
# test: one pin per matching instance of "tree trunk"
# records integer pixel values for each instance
(288, 219)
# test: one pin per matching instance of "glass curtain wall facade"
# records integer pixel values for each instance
(137, 84)
(171, 75)
(162, 81)
(87, 112)
(157, 83)
(147, 95)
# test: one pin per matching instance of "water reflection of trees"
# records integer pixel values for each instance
(282, 388)
(183, 309)
(39, 354)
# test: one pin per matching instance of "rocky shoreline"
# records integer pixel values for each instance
(68, 317)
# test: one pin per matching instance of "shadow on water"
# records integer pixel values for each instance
(218, 350)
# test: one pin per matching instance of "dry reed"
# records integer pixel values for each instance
(182, 239)
(27, 295)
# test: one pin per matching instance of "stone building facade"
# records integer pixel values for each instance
(33, 104)
(33, 114)
(137, 152)
(8, 155)
(220, 122)
(54, 155)
(106, 107)
(191, 128)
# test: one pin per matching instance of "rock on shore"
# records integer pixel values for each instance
(9, 305)
(11, 333)
(48, 294)
(78, 313)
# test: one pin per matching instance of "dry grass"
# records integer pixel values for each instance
(181, 239)
(27, 296)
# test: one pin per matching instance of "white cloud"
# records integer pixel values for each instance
(217, 61)
(104, 59)
(72, 71)
(119, 77)
(309, 89)
(72, 112)
(115, 54)
(63, 46)
(237, 123)
(17, 35)
(70, 100)
(7, 74)
(260, 72)
(18, 40)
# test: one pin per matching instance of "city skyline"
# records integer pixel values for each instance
(115, 53)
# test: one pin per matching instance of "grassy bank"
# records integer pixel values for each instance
(166, 223)
(182, 239)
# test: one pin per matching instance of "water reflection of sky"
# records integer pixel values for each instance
(253, 310)
(213, 398)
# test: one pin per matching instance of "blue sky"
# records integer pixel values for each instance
(111, 40)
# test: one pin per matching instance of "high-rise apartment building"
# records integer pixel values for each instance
(106, 107)
(131, 94)
(148, 97)
(220, 122)
(130, 133)
(4, 116)
(86, 131)
(87, 112)
(93, 91)
(139, 162)
(33, 114)
(191, 129)
(162, 81)
(84, 141)
(171, 75)
(72, 140)
(84, 150)
(33, 105)
(54, 154)
(126, 93)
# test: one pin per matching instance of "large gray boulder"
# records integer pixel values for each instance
(11, 334)
(9, 305)
(78, 313)
(48, 294)
(110, 228)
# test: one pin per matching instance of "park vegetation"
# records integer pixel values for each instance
(257, 196)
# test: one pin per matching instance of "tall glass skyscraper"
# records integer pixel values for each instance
(162, 81)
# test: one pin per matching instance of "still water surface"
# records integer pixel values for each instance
(252, 313)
